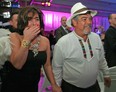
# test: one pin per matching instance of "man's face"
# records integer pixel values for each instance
(84, 23)
(14, 21)
(63, 21)
(113, 20)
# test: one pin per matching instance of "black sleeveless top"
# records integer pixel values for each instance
(25, 79)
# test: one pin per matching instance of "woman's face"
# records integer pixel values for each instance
(33, 20)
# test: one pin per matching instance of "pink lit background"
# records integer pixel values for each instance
(52, 20)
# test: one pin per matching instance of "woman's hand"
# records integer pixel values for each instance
(31, 32)
(56, 88)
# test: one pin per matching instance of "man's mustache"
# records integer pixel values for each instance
(88, 26)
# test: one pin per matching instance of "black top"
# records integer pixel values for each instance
(110, 46)
(26, 79)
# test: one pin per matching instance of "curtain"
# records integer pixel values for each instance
(52, 20)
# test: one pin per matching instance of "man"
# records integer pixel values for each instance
(63, 29)
(13, 21)
(79, 56)
(12, 28)
(110, 41)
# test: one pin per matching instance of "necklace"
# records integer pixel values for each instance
(83, 48)
(35, 47)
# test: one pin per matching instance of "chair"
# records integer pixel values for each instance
(113, 80)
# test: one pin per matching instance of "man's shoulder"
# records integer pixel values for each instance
(59, 28)
(65, 38)
(110, 30)
(4, 32)
(94, 34)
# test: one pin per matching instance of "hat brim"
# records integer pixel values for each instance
(92, 12)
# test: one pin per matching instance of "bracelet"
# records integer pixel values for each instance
(25, 43)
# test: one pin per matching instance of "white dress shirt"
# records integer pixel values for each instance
(69, 62)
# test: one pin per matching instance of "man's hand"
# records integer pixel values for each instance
(107, 81)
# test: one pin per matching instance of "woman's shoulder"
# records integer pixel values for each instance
(44, 38)
(15, 36)
(44, 43)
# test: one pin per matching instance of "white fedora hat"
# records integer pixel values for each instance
(77, 9)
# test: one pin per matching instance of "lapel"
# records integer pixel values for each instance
(62, 31)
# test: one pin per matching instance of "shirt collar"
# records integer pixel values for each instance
(79, 37)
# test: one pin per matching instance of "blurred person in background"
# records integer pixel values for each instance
(110, 41)
(63, 29)
(13, 21)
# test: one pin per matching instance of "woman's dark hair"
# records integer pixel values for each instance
(23, 18)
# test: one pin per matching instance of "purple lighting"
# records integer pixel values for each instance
(42, 2)
(52, 20)
(31, 2)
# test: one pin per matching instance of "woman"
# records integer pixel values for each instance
(30, 50)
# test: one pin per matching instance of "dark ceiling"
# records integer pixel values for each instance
(104, 7)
